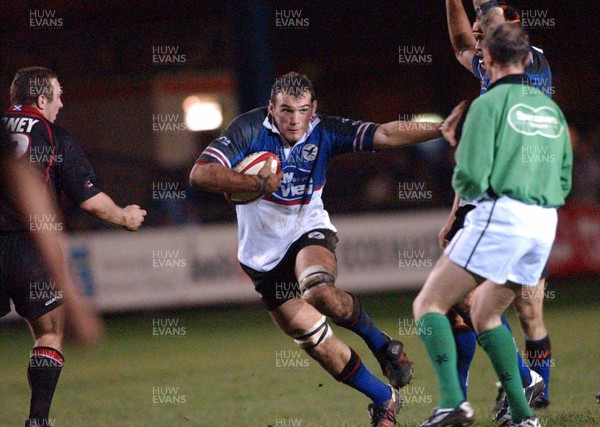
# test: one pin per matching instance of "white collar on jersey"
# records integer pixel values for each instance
(314, 121)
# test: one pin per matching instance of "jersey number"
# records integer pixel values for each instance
(21, 142)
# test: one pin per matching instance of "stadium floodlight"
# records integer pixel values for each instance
(202, 114)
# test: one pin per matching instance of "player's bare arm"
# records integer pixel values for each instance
(448, 128)
(446, 228)
(104, 208)
(400, 133)
(217, 178)
(461, 34)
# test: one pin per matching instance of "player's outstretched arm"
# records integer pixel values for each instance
(401, 133)
(461, 34)
(216, 178)
(104, 208)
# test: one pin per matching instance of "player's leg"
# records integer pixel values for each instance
(38, 301)
(446, 285)
(529, 305)
(280, 293)
(466, 343)
(316, 269)
(311, 332)
(491, 300)
(45, 363)
(459, 317)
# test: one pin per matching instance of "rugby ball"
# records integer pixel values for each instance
(251, 165)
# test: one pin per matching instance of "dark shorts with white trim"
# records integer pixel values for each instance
(281, 284)
(23, 278)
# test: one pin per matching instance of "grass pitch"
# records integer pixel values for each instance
(232, 367)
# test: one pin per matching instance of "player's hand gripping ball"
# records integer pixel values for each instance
(252, 165)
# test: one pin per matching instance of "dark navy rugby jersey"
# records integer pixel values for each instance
(306, 162)
(54, 152)
(538, 72)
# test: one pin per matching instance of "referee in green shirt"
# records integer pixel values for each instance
(515, 160)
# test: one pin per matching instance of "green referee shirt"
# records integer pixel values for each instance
(515, 142)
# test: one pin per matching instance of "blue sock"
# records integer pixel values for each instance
(466, 342)
(523, 368)
(539, 356)
(357, 376)
(361, 324)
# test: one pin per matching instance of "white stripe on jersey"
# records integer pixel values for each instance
(359, 138)
(216, 154)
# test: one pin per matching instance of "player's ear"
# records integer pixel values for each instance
(271, 107)
(40, 102)
(529, 59)
(314, 106)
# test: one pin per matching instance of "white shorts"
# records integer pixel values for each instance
(505, 239)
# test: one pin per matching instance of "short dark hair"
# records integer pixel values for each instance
(508, 44)
(293, 84)
(29, 83)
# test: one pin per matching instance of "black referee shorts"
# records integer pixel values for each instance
(24, 279)
(281, 284)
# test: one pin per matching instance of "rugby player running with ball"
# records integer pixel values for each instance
(303, 254)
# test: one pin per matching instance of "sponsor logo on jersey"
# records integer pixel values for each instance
(316, 235)
(294, 186)
(223, 140)
(309, 152)
(531, 121)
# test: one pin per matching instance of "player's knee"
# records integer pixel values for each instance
(315, 277)
(50, 339)
(314, 336)
(483, 321)
(530, 320)
(49, 326)
(526, 315)
(320, 296)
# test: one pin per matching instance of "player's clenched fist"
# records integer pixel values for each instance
(134, 216)
(269, 181)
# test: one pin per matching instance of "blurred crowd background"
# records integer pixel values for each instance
(116, 91)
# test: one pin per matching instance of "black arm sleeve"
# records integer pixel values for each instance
(76, 176)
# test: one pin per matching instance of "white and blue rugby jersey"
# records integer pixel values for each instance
(268, 227)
